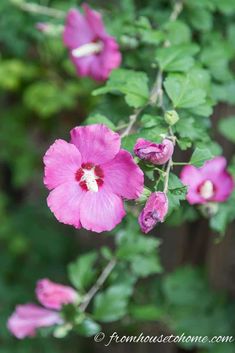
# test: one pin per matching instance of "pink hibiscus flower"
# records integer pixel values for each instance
(92, 50)
(28, 317)
(89, 177)
(210, 183)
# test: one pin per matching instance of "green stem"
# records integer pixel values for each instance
(160, 170)
(98, 284)
(120, 127)
(39, 9)
(181, 163)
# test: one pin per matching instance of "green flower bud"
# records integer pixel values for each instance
(171, 117)
(209, 209)
(62, 331)
(144, 196)
(129, 42)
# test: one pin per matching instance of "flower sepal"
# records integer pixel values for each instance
(209, 209)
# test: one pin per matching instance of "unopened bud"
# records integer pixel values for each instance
(62, 331)
(209, 209)
(154, 211)
(144, 196)
(171, 117)
(155, 153)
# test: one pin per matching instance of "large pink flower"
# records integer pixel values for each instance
(92, 50)
(53, 295)
(27, 318)
(89, 177)
(210, 183)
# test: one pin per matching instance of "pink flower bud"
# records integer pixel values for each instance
(53, 295)
(28, 317)
(156, 153)
(154, 211)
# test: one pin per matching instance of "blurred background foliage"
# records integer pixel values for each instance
(41, 99)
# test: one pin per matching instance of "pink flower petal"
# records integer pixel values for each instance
(77, 30)
(212, 168)
(94, 19)
(65, 202)
(62, 160)
(101, 211)
(192, 177)
(223, 187)
(27, 318)
(97, 143)
(215, 171)
(110, 58)
(54, 295)
(83, 65)
(123, 176)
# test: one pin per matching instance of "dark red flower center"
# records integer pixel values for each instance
(90, 177)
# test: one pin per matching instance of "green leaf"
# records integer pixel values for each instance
(186, 127)
(151, 128)
(227, 128)
(81, 272)
(183, 92)
(111, 304)
(176, 58)
(133, 243)
(13, 71)
(106, 253)
(200, 156)
(224, 92)
(143, 266)
(150, 121)
(128, 142)
(184, 143)
(174, 182)
(146, 33)
(177, 32)
(146, 312)
(133, 84)
(200, 78)
(99, 119)
(201, 19)
(45, 98)
(88, 327)
(176, 192)
(224, 216)
(216, 57)
(225, 6)
(183, 286)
